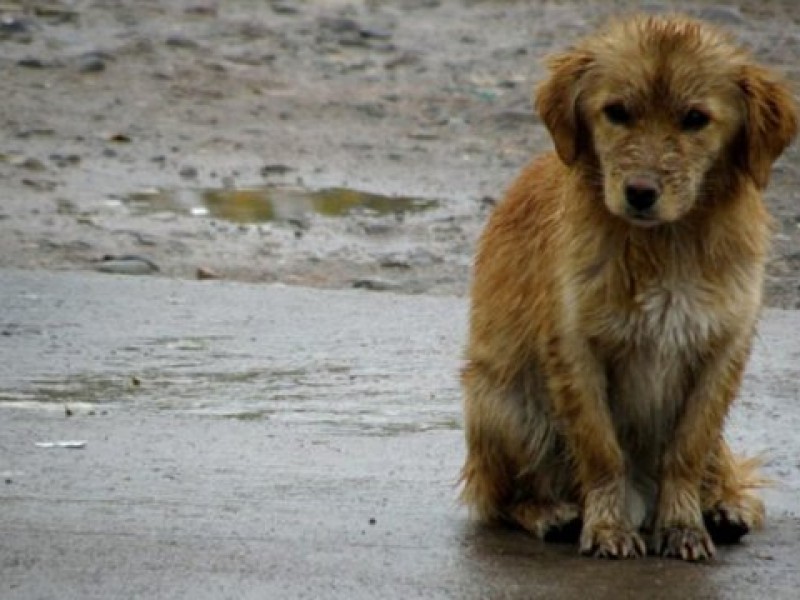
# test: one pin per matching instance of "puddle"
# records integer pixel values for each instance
(260, 205)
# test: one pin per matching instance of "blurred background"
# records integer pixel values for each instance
(325, 143)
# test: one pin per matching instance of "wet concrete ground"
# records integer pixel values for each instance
(249, 441)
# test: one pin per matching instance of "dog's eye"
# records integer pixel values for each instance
(694, 120)
(617, 113)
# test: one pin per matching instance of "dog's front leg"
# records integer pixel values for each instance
(680, 531)
(577, 384)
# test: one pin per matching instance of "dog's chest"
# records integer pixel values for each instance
(669, 319)
(652, 344)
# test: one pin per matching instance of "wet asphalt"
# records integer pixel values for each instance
(246, 441)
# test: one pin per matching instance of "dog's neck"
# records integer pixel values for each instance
(738, 225)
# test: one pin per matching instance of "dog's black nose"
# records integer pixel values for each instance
(641, 193)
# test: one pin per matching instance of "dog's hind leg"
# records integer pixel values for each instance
(512, 472)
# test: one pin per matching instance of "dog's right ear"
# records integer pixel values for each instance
(557, 101)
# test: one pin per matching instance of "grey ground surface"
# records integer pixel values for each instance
(251, 441)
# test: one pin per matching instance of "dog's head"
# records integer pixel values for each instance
(662, 108)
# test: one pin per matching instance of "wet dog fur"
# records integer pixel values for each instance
(615, 296)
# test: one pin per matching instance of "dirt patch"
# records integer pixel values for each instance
(425, 98)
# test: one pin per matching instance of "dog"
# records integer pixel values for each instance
(615, 295)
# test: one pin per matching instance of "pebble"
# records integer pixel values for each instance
(284, 8)
(126, 265)
(65, 160)
(29, 163)
(31, 63)
(379, 228)
(339, 24)
(275, 169)
(374, 34)
(418, 257)
(16, 29)
(179, 41)
(203, 273)
(92, 62)
(372, 109)
(201, 10)
(349, 32)
(188, 172)
(406, 59)
(377, 285)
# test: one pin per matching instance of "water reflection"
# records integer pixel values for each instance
(260, 205)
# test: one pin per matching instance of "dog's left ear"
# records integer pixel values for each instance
(556, 101)
(770, 123)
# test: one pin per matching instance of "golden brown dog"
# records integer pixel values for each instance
(615, 296)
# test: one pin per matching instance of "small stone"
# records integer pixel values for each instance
(201, 10)
(15, 28)
(284, 8)
(339, 24)
(376, 285)
(275, 169)
(41, 185)
(379, 228)
(374, 34)
(372, 109)
(29, 163)
(31, 63)
(203, 273)
(119, 138)
(179, 41)
(405, 59)
(65, 160)
(126, 265)
(394, 262)
(188, 172)
(91, 62)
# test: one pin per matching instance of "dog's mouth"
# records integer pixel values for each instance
(645, 221)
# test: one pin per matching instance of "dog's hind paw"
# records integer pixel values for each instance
(560, 522)
(729, 522)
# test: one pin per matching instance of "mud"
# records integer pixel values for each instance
(301, 446)
(427, 99)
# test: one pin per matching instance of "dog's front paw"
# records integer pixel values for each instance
(611, 541)
(687, 543)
